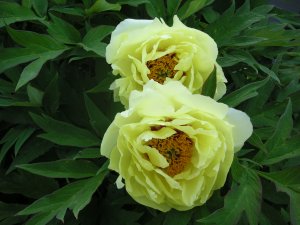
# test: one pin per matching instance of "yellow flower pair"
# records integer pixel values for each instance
(172, 147)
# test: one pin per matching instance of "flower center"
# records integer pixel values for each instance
(177, 149)
(162, 68)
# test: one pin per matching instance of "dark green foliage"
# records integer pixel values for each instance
(55, 105)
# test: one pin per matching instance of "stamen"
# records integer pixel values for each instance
(177, 149)
(162, 68)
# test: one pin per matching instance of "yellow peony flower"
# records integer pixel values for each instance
(141, 50)
(173, 148)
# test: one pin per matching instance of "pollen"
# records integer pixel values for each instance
(177, 150)
(162, 68)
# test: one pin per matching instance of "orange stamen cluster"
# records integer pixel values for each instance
(162, 68)
(177, 149)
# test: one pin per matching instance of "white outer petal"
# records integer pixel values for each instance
(242, 129)
(109, 140)
(128, 25)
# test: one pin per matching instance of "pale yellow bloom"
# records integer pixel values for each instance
(172, 148)
(140, 50)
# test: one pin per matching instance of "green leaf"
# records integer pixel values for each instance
(295, 207)
(102, 86)
(12, 12)
(98, 120)
(29, 185)
(74, 196)
(225, 28)
(256, 141)
(40, 6)
(88, 153)
(101, 6)
(35, 95)
(70, 10)
(289, 177)
(22, 138)
(51, 97)
(243, 198)
(63, 31)
(156, 8)
(209, 87)
(63, 133)
(248, 91)
(283, 128)
(10, 57)
(192, 6)
(31, 150)
(34, 40)
(33, 69)
(289, 149)
(9, 140)
(92, 40)
(132, 2)
(238, 56)
(14, 220)
(172, 7)
(62, 169)
(178, 218)
(8, 210)
(41, 218)
(210, 14)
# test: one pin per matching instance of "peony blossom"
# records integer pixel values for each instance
(172, 148)
(141, 50)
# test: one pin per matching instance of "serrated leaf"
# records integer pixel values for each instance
(97, 118)
(238, 56)
(245, 197)
(63, 31)
(224, 28)
(209, 87)
(283, 128)
(62, 169)
(11, 12)
(248, 91)
(63, 133)
(74, 196)
(101, 6)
